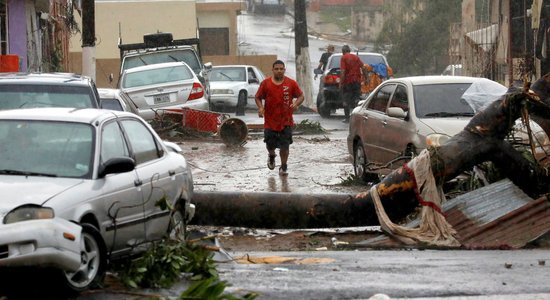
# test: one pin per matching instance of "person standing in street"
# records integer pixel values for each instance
(324, 58)
(351, 69)
(281, 96)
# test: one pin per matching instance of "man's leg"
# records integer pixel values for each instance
(270, 145)
(285, 139)
(345, 98)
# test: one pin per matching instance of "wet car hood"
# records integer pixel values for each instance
(19, 190)
(449, 126)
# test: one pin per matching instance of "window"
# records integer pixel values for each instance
(112, 142)
(400, 98)
(3, 28)
(380, 100)
(142, 141)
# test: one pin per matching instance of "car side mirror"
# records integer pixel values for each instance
(396, 112)
(253, 80)
(317, 71)
(116, 165)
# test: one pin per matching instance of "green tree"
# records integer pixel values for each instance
(420, 46)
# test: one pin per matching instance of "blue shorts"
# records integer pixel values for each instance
(278, 139)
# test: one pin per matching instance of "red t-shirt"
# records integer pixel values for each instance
(278, 101)
(352, 64)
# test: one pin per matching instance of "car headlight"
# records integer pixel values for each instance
(28, 212)
(436, 139)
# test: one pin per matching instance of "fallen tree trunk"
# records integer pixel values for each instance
(483, 139)
(289, 210)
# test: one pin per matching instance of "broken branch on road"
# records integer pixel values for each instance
(483, 139)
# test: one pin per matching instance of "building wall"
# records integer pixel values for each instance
(130, 20)
(221, 14)
(367, 23)
(17, 35)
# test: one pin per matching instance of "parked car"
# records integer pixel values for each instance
(403, 116)
(26, 90)
(234, 86)
(161, 47)
(115, 100)
(155, 88)
(328, 97)
(82, 187)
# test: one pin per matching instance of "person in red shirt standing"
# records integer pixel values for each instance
(351, 70)
(281, 95)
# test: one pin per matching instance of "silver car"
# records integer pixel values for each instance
(402, 116)
(113, 99)
(158, 87)
(83, 186)
(234, 86)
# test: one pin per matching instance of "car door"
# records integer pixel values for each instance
(396, 132)
(122, 197)
(374, 120)
(254, 78)
(157, 177)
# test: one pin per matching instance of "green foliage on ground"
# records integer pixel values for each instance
(309, 127)
(164, 264)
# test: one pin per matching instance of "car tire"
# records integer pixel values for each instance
(360, 164)
(322, 108)
(241, 103)
(93, 262)
(178, 226)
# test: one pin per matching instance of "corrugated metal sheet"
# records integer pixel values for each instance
(498, 216)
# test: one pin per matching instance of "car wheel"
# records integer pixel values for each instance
(360, 164)
(322, 108)
(241, 103)
(178, 227)
(93, 256)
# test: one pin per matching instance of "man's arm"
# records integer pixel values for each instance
(258, 99)
(298, 102)
(259, 105)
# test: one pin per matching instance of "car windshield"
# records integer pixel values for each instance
(42, 148)
(185, 55)
(14, 96)
(441, 100)
(156, 76)
(227, 74)
(365, 58)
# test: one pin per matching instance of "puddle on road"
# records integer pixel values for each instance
(312, 167)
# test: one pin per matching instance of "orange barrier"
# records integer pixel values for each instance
(9, 63)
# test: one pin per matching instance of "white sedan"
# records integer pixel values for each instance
(234, 86)
(83, 186)
(158, 87)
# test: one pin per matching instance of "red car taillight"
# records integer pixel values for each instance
(332, 79)
(196, 92)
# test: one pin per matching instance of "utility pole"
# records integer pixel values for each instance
(303, 62)
(88, 38)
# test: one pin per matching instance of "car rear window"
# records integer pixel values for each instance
(440, 100)
(365, 58)
(14, 96)
(188, 56)
(156, 76)
(227, 74)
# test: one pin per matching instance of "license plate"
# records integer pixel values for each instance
(161, 99)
